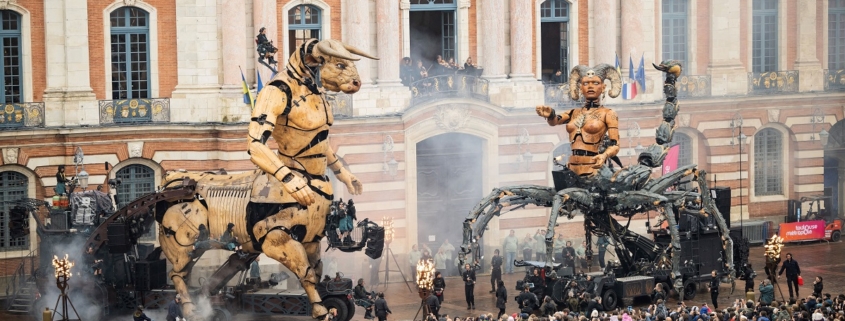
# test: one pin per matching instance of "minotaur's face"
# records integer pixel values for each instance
(592, 87)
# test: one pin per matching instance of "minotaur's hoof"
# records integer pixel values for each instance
(318, 311)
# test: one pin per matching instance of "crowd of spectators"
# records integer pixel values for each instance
(411, 71)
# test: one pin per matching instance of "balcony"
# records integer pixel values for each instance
(341, 104)
(773, 82)
(135, 111)
(557, 95)
(693, 86)
(22, 115)
(449, 86)
(834, 80)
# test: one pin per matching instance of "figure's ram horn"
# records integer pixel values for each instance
(610, 73)
(327, 48)
(575, 81)
(359, 52)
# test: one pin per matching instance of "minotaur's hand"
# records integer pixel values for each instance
(353, 185)
(299, 189)
(599, 160)
(544, 111)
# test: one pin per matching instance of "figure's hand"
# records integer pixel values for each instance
(353, 185)
(598, 160)
(544, 111)
(299, 189)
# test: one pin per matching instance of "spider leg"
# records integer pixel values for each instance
(564, 201)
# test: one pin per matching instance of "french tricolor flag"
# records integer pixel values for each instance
(629, 90)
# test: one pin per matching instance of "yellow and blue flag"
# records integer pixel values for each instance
(247, 94)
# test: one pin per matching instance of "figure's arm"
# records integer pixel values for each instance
(612, 122)
(272, 103)
(353, 185)
(551, 117)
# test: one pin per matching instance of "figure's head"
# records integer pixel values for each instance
(496, 252)
(178, 298)
(589, 82)
(437, 274)
(61, 168)
(361, 281)
(414, 247)
(262, 30)
(469, 59)
(536, 271)
(467, 266)
(713, 273)
(257, 258)
(818, 279)
(451, 60)
(513, 233)
(568, 243)
(406, 60)
(335, 61)
(439, 58)
(788, 256)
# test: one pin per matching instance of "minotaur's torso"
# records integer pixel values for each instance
(587, 127)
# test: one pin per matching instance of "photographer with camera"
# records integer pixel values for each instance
(364, 299)
(767, 292)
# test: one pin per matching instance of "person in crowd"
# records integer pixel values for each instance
(440, 261)
(549, 307)
(540, 245)
(501, 298)
(414, 259)
(439, 285)
(265, 47)
(581, 254)
(468, 276)
(470, 67)
(406, 71)
(572, 295)
(174, 309)
(590, 286)
(433, 304)
(527, 247)
(559, 77)
(658, 293)
(560, 243)
(793, 271)
(449, 253)
(363, 299)
(61, 181)
(767, 292)
(527, 300)
(602, 244)
(749, 275)
(453, 66)
(255, 271)
(818, 286)
(139, 314)
(595, 304)
(496, 272)
(510, 246)
(381, 308)
(569, 255)
(539, 283)
(714, 289)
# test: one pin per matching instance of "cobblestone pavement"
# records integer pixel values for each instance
(815, 259)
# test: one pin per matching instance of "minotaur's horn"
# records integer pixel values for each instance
(333, 48)
(359, 52)
(610, 73)
(575, 81)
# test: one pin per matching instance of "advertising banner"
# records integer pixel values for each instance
(801, 231)
(670, 163)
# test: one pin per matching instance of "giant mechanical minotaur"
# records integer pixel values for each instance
(281, 209)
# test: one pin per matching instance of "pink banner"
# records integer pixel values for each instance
(670, 163)
(801, 231)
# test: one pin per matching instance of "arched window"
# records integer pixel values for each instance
(130, 59)
(13, 186)
(136, 181)
(304, 23)
(768, 162)
(10, 57)
(684, 149)
(554, 35)
(675, 14)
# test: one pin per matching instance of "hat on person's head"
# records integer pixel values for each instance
(818, 317)
(514, 315)
(510, 318)
(140, 307)
(594, 314)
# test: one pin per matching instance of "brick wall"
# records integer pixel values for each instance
(39, 55)
(583, 33)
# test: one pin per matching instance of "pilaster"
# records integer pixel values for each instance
(811, 74)
(387, 35)
(196, 96)
(728, 77)
(492, 15)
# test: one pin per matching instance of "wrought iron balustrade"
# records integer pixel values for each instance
(22, 115)
(341, 104)
(690, 86)
(449, 86)
(834, 79)
(134, 111)
(773, 82)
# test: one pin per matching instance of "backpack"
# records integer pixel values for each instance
(660, 312)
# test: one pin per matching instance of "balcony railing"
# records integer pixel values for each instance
(834, 79)
(134, 111)
(21, 115)
(773, 82)
(557, 95)
(341, 104)
(449, 86)
(690, 86)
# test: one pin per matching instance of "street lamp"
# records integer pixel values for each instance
(525, 157)
(81, 176)
(389, 167)
(739, 136)
(818, 118)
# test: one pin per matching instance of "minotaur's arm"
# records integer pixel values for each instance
(272, 103)
(342, 173)
(549, 114)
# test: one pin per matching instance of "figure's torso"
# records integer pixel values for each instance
(586, 128)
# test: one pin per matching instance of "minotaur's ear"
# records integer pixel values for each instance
(311, 61)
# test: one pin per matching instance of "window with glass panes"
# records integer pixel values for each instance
(130, 59)
(836, 35)
(554, 29)
(303, 24)
(684, 149)
(10, 38)
(136, 181)
(675, 29)
(13, 186)
(764, 29)
(768, 162)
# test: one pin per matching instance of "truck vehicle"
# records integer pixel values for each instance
(807, 226)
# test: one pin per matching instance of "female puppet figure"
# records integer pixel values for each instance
(588, 125)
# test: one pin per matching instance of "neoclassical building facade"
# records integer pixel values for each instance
(150, 86)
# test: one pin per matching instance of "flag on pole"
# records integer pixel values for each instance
(618, 67)
(670, 163)
(259, 84)
(247, 94)
(641, 74)
(629, 88)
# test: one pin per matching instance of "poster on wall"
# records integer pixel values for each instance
(802, 231)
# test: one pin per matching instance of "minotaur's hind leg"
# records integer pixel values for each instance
(279, 246)
(181, 221)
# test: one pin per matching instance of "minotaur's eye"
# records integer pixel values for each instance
(341, 66)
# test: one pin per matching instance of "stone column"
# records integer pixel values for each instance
(521, 42)
(728, 77)
(264, 13)
(492, 15)
(387, 35)
(604, 44)
(811, 75)
(69, 99)
(234, 42)
(357, 13)
(198, 53)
